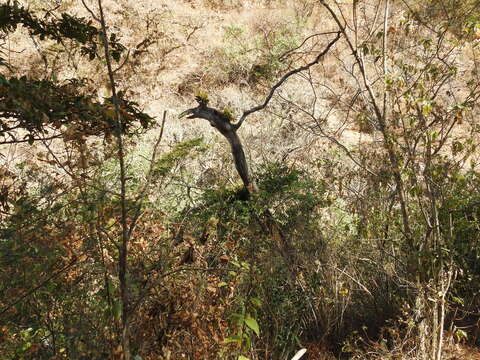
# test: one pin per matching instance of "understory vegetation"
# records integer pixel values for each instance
(125, 232)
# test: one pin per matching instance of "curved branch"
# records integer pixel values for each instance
(288, 52)
(284, 78)
(222, 123)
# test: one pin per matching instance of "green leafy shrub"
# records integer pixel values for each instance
(253, 55)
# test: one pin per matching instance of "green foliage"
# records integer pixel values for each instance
(462, 211)
(249, 56)
(41, 105)
(292, 193)
(63, 239)
(460, 220)
(180, 151)
(262, 273)
(41, 249)
(273, 59)
(244, 322)
(460, 17)
(315, 256)
(201, 97)
(58, 29)
(228, 114)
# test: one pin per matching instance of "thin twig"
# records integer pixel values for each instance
(91, 12)
(303, 43)
(42, 284)
(31, 139)
(123, 63)
(284, 78)
(143, 192)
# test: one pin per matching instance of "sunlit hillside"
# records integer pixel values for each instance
(227, 179)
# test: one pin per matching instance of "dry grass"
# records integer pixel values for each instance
(177, 47)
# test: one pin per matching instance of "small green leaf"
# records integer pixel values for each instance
(248, 341)
(245, 265)
(241, 357)
(426, 109)
(252, 324)
(256, 302)
(460, 334)
(117, 309)
(239, 318)
(458, 300)
(233, 339)
(457, 147)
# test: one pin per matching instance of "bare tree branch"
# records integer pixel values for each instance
(284, 78)
(90, 11)
(289, 51)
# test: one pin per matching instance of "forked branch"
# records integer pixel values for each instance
(284, 78)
